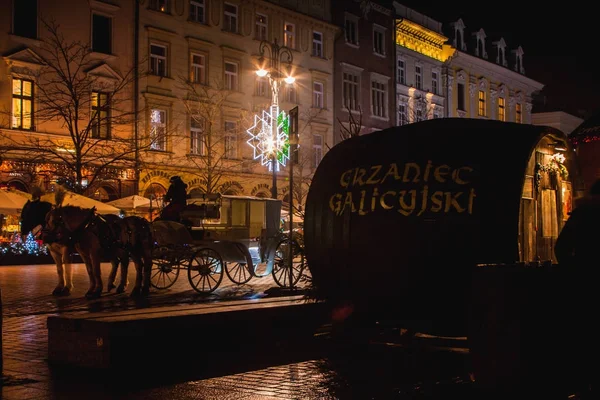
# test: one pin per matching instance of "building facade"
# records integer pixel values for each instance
(192, 86)
(485, 78)
(421, 51)
(201, 90)
(50, 125)
(560, 120)
(364, 98)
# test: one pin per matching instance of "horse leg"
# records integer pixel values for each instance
(147, 271)
(113, 273)
(91, 277)
(124, 271)
(137, 289)
(60, 272)
(96, 260)
(66, 258)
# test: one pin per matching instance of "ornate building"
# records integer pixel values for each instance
(485, 78)
(201, 91)
(421, 51)
(189, 68)
(364, 68)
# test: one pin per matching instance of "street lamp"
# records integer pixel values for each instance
(273, 144)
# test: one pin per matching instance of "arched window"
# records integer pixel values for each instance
(155, 193)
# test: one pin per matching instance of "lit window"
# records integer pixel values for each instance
(350, 90)
(100, 123)
(231, 76)
(230, 18)
(198, 68)
(197, 138)
(158, 129)
(317, 49)
(501, 111)
(197, 11)
(159, 5)
(22, 104)
(378, 103)
(230, 140)
(481, 109)
(317, 95)
(158, 59)
(289, 35)
(261, 27)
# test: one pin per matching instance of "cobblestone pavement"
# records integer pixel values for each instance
(26, 304)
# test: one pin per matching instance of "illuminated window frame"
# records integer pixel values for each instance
(22, 104)
(501, 109)
(481, 104)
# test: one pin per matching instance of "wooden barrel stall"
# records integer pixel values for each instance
(397, 220)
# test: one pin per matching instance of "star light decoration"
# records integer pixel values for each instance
(263, 141)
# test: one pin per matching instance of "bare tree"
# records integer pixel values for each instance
(206, 107)
(81, 105)
(353, 127)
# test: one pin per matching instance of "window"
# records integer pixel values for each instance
(198, 68)
(317, 95)
(261, 27)
(378, 41)
(289, 35)
(231, 76)
(25, 18)
(418, 77)
(197, 145)
(402, 120)
(100, 123)
(481, 109)
(262, 87)
(460, 96)
(158, 129)
(518, 114)
(290, 94)
(230, 140)
(317, 49)
(418, 115)
(351, 31)
(378, 106)
(501, 111)
(350, 90)
(436, 115)
(317, 150)
(197, 11)
(101, 34)
(230, 18)
(434, 82)
(22, 104)
(158, 59)
(401, 72)
(160, 5)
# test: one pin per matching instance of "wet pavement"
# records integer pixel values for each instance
(321, 369)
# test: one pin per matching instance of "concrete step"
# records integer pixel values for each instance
(155, 337)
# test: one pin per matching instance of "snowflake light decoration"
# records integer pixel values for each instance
(266, 143)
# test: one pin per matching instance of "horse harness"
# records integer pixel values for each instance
(91, 224)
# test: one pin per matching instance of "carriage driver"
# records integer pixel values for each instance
(176, 197)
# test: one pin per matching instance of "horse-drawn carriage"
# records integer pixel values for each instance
(239, 236)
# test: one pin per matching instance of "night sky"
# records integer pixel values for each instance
(560, 44)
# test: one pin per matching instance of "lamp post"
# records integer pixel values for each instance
(273, 72)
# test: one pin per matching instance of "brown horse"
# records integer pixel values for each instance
(33, 219)
(72, 227)
(134, 239)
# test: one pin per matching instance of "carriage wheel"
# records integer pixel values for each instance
(205, 272)
(281, 266)
(165, 271)
(238, 272)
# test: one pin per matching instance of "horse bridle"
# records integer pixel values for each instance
(73, 235)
